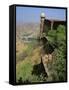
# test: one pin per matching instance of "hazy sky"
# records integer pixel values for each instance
(32, 14)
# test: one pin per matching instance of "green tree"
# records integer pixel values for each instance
(58, 40)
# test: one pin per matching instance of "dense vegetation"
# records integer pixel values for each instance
(58, 39)
(29, 67)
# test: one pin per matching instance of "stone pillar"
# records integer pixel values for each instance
(52, 22)
(42, 18)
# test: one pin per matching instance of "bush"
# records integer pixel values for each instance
(58, 38)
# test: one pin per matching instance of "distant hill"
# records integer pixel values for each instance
(27, 30)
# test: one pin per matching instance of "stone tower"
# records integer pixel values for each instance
(42, 18)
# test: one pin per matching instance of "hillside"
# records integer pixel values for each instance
(27, 30)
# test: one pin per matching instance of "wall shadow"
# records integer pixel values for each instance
(39, 70)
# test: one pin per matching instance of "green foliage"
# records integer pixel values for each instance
(24, 73)
(58, 68)
(57, 38)
(24, 70)
(61, 35)
(25, 66)
(52, 37)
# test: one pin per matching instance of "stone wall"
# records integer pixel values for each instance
(53, 24)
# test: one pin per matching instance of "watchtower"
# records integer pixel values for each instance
(42, 18)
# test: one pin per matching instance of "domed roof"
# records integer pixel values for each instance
(42, 14)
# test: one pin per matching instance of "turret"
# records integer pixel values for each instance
(42, 18)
